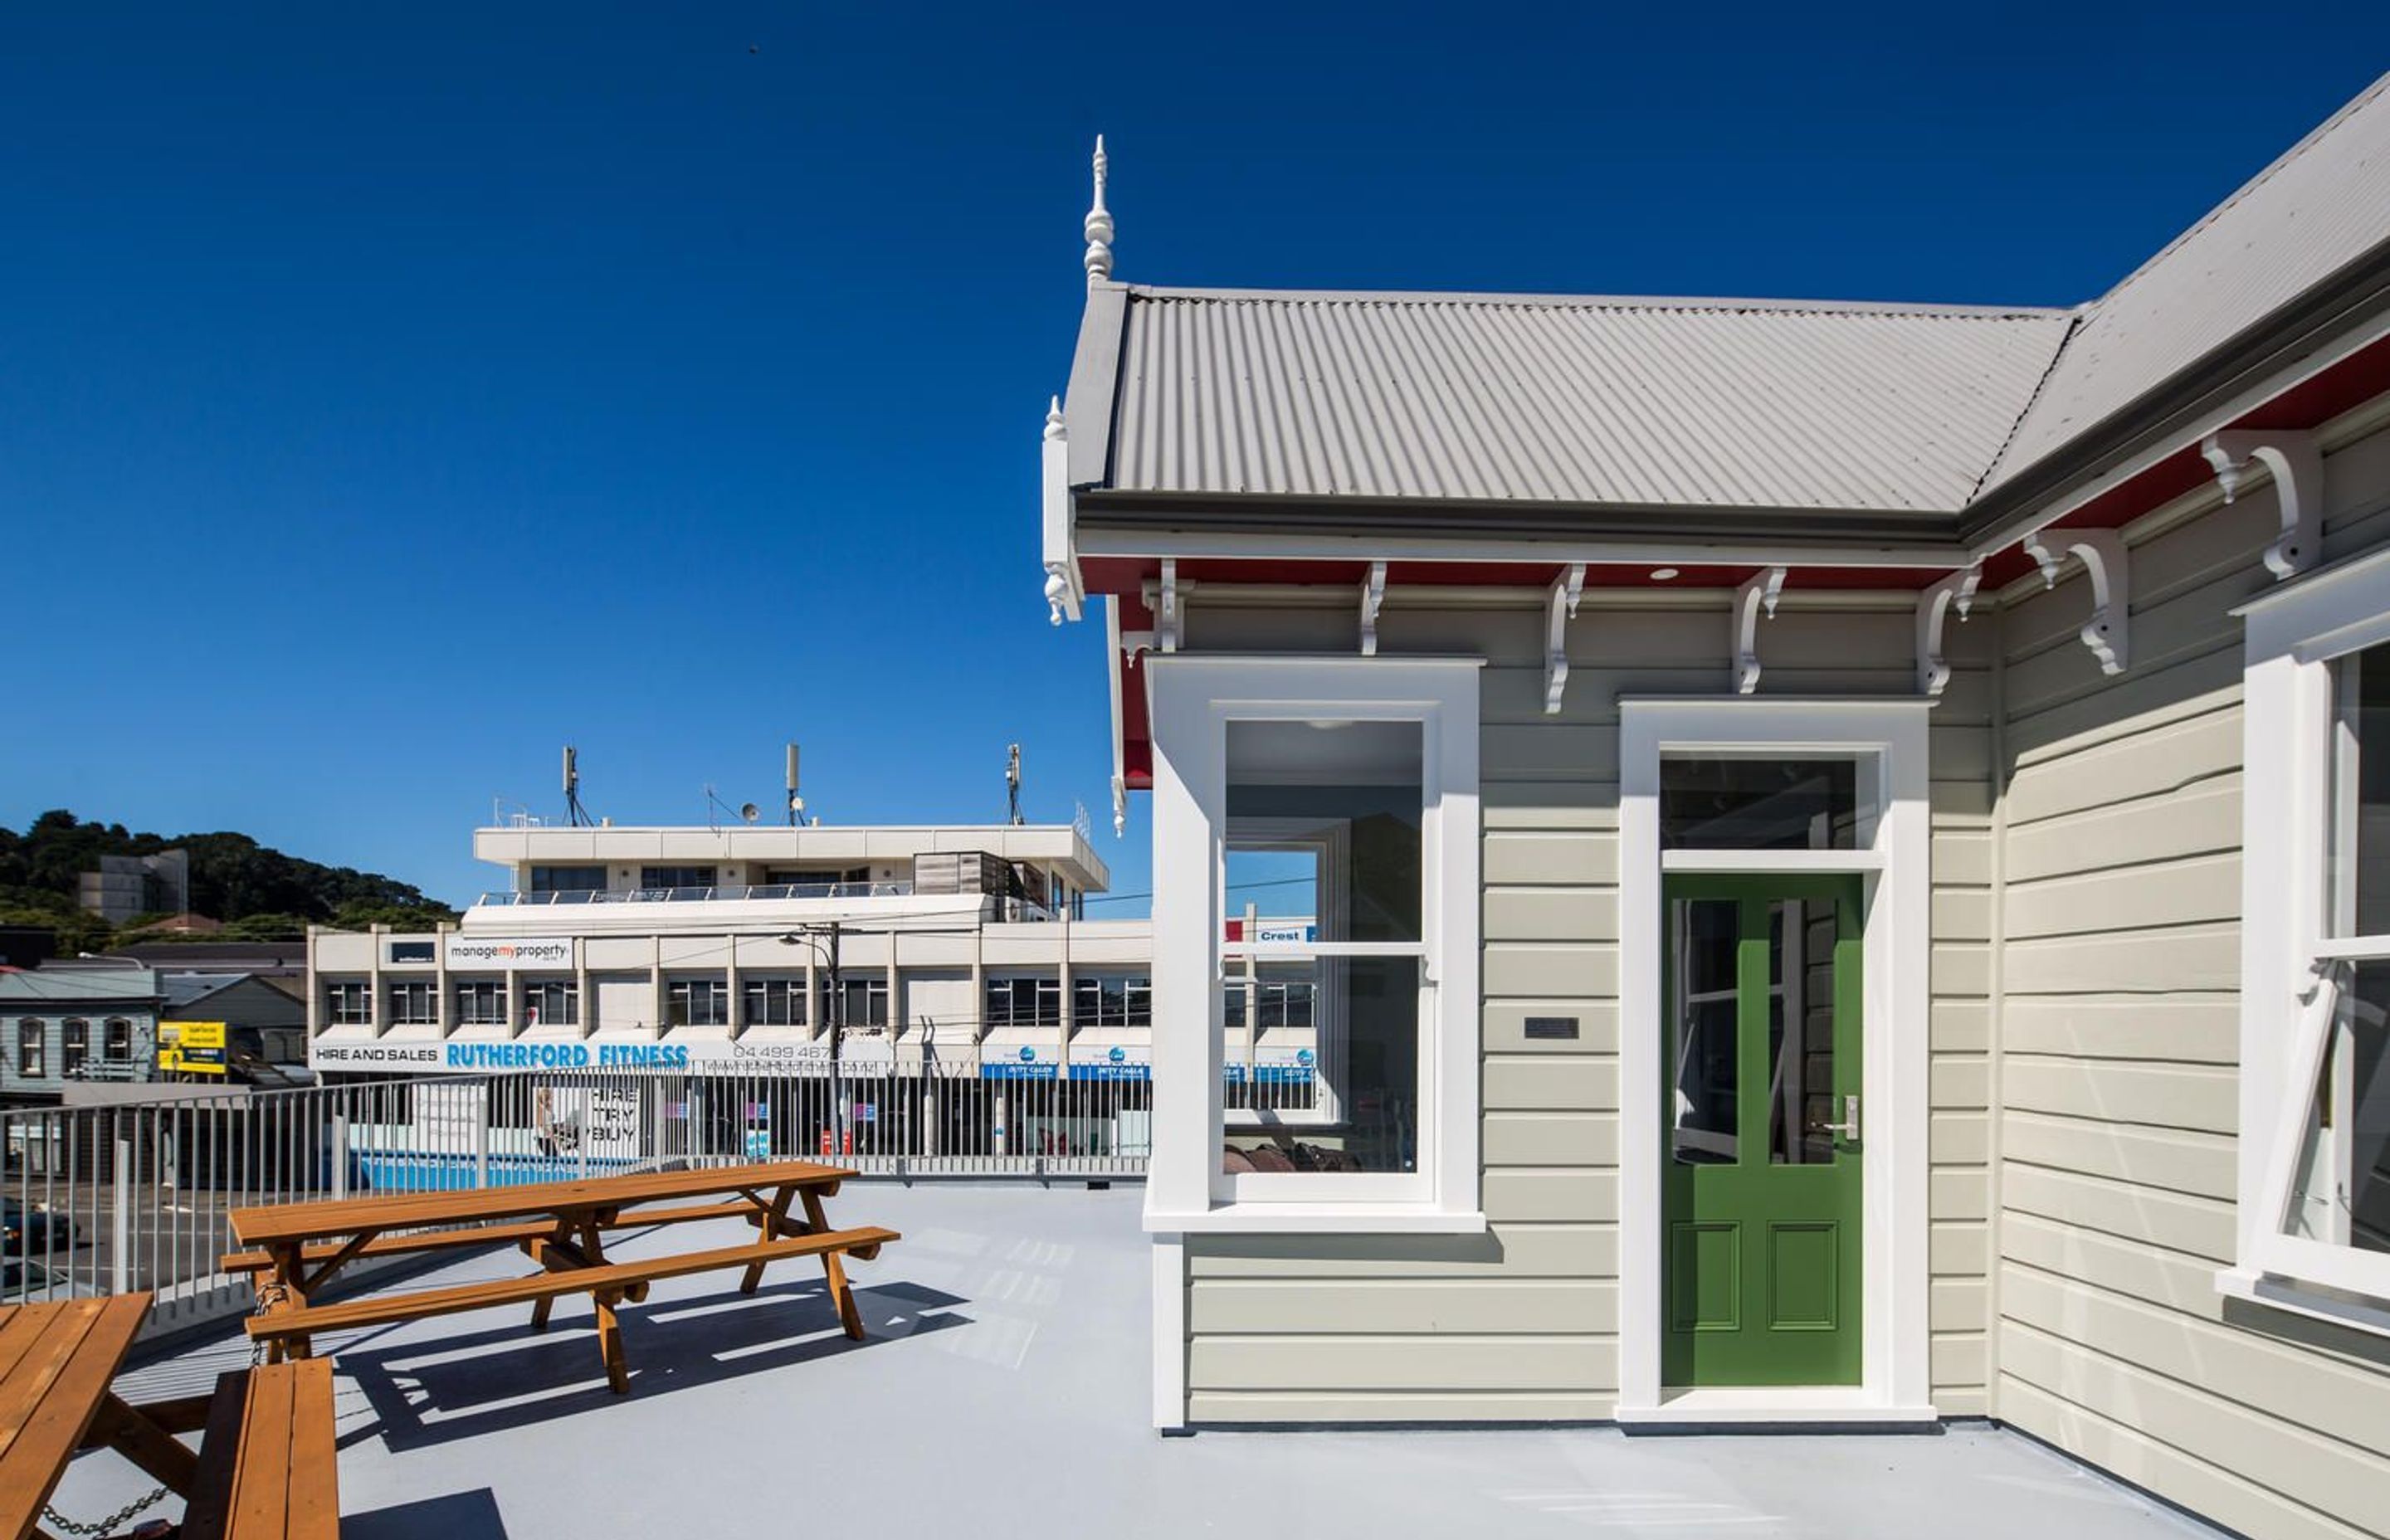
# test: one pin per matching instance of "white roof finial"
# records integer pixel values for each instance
(1100, 225)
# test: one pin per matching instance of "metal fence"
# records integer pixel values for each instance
(106, 1200)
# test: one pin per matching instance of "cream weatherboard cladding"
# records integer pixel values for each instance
(1520, 1324)
(2118, 1056)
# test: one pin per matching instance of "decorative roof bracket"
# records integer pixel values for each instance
(1760, 592)
(1567, 589)
(1063, 593)
(2108, 632)
(1165, 606)
(1935, 605)
(2296, 464)
(1373, 598)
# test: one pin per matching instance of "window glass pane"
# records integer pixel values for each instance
(1704, 937)
(1334, 804)
(1367, 1088)
(1758, 804)
(1801, 935)
(2342, 1194)
(568, 880)
(2363, 848)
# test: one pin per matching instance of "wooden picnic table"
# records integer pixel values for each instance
(296, 1248)
(57, 1362)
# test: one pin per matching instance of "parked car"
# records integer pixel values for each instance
(31, 1283)
(25, 1228)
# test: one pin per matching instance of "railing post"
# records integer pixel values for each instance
(120, 1223)
(481, 1137)
(340, 1154)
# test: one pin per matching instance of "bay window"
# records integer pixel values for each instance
(2315, 1164)
(1315, 927)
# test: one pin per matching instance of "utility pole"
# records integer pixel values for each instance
(838, 1108)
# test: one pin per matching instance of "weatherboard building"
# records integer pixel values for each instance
(1854, 838)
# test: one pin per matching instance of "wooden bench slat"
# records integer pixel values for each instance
(256, 1260)
(268, 1464)
(315, 1486)
(384, 1309)
(54, 1393)
(210, 1500)
(261, 1481)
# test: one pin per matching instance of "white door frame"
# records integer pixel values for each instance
(1888, 737)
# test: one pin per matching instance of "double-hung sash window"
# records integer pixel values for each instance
(75, 1047)
(2315, 1174)
(1314, 997)
(30, 1035)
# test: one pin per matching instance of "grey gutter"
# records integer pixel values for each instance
(1507, 519)
(2173, 410)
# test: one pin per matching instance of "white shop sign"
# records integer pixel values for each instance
(511, 954)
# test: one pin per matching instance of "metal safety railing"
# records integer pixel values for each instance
(112, 1198)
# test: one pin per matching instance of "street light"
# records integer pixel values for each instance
(809, 936)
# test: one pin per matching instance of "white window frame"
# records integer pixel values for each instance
(1889, 737)
(2294, 969)
(1192, 699)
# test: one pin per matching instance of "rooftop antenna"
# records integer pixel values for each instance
(574, 813)
(1012, 786)
(796, 803)
(1100, 225)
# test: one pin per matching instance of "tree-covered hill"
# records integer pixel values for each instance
(254, 889)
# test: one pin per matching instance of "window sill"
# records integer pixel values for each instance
(1316, 1219)
(2279, 1294)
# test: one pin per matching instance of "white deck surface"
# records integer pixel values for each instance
(1003, 1393)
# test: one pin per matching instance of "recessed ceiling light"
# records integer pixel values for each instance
(1662, 574)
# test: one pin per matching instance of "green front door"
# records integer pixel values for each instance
(1760, 1202)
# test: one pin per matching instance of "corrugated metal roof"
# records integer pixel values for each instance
(1598, 400)
(2322, 205)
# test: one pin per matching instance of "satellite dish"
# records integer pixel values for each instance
(750, 812)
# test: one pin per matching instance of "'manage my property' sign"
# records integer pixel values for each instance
(509, 953)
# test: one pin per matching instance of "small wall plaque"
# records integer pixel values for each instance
(1552, 1026)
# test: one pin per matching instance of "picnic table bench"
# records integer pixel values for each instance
(58, 1363)
(296, 1248)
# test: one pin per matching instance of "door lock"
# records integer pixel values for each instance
(1849, 1127)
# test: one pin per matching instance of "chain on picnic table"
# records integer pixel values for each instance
(269, 1295)
(105, 1526)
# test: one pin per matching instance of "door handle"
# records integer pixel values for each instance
(1849, 1127)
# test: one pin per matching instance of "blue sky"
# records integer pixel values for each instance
(388, 398)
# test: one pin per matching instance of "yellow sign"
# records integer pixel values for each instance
(191, 1047)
